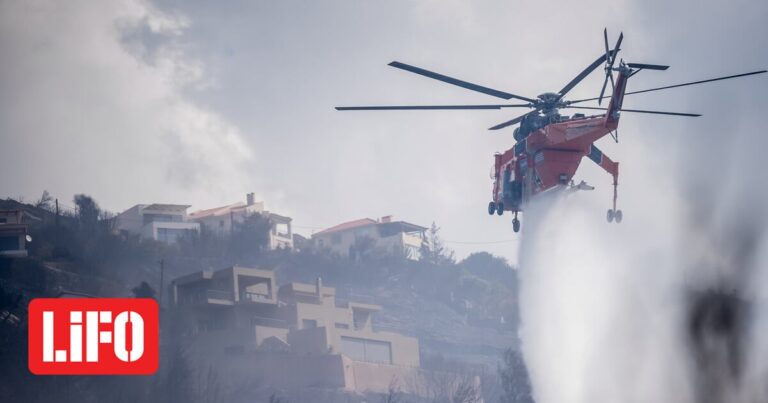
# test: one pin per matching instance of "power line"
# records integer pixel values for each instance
(307, 226)
(482, 242)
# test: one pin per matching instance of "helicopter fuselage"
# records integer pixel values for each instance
(546, 159)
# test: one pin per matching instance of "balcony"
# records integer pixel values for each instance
(269, 322)
(220, 297)
(246, 296)
(219, 294)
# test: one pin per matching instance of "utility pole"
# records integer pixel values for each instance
(162, 273)
(57, 223)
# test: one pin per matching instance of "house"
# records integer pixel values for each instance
(161, 222)
(296, 335)
(221, 220)
(13, 234)
(383, 234)
(304, 316)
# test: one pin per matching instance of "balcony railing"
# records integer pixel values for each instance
(255, 297)
(203, 296)
(219, 294)
(271, 322)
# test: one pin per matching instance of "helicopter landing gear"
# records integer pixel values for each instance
(515, 223)
(499, 208)
(614, 214)
(491, 208)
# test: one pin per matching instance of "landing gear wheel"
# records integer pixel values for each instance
(618, 215)
(609, 216)
(491, 208)
(516, 225)
(499, 208)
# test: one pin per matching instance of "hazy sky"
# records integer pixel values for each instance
(202, 102)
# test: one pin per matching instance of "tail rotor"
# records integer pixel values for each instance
(610, 59)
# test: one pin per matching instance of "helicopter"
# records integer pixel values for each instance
(549, 146)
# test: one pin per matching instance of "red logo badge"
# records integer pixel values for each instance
(93, 336)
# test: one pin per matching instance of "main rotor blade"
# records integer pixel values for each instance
(602, 90)
(678, 85)
(460, 83)
(640, 111)
(647, 66)
(616, 48)
(427, 107)
(600, 60)
(513, 121)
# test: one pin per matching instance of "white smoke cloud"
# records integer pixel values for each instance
(98, 92)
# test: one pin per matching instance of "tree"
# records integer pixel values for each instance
(433, 249)
(175, 382)
(362, 249)
(393, 394)
(45, 201)
(88, 212)
(251, 236)
(143, 290)
(448, 385)
(490, 267)
(514, 379)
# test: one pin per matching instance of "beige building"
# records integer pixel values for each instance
(161, 222)
(294, 336)
(384, 234)
(220, 220)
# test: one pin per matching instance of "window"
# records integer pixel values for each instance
(281, 229)
(148, 218)
(308, 323)
(367, 350)
(170, 235)
(9, 242)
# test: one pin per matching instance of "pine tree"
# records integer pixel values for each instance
(433, 249)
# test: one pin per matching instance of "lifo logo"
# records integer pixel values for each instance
(93, 336)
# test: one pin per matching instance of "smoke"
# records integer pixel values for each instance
(669, 306)
(96, 96)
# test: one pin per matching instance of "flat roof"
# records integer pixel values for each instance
(167, 207)
(210, 274)
(306, 288)
(403, 226)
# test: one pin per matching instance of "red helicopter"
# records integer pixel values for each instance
(549, 147)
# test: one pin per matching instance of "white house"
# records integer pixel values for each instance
(161, 222)
(387, 235)
(220, 220)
